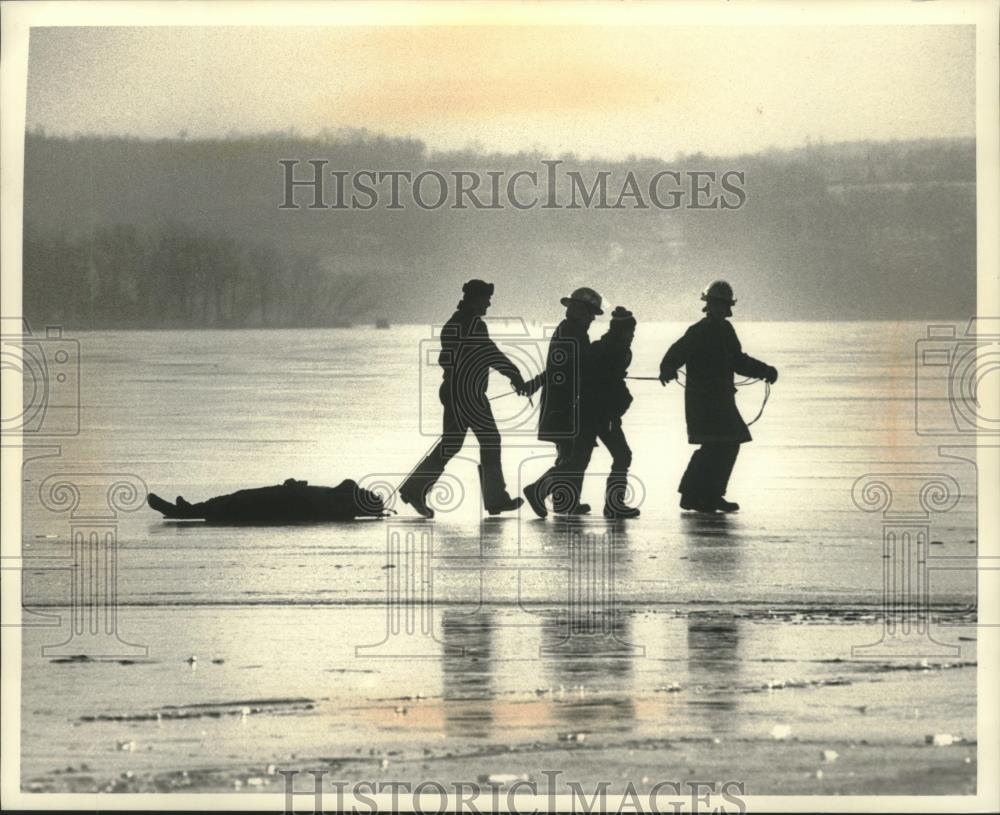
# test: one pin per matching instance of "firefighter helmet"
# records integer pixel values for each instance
(588, 297)
(719, 290)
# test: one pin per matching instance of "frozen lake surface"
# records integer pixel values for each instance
(674, 644)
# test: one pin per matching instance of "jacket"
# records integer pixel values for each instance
(606, 397)
(711, 353)
(562, 382)
(467, 354)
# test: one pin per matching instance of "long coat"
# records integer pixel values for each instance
(562, 382)
(711, 353)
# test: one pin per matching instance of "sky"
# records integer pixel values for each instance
(597, 92)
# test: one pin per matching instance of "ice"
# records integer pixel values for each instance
(701, 603)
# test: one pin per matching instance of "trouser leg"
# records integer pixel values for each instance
(564, 479)
(552, 477)
(490, 468)
(613, 438)
(707, 476)
(583, 449)
(724, 461)
(692, 486)
(431, 467)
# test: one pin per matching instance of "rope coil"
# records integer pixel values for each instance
(739, 384)
(742, 383)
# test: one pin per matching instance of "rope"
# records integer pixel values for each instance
(767, 395)
(434, 444)
(742, 383)
(409, 474)
(739, 384)
(502, 395)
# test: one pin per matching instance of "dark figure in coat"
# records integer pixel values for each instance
(711, 353)
(466, 357)
(606, 399)
(563, 420)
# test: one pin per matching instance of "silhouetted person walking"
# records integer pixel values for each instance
(606, 399)
(562, 420)
(466, 357)
(711, 353)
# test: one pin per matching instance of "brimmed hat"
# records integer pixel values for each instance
(621, 313)
(588, 297)
(719, 290)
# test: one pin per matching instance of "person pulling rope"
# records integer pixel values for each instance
(741, 384)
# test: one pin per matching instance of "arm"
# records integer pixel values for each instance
(675, 358)
(746, 365)
(450, 342)
(494, 357)
(561, 362)
(533, 384)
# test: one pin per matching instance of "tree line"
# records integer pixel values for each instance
(179, 276)
(184, 232)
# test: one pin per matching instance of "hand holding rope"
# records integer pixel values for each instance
(739, 384)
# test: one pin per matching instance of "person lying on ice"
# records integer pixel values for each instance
(466, 357)
(607, 397)
(711, 353)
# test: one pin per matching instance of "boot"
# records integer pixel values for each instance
(416, 500)
(614, 499)
(578, 509)
(535, 500)
(726, 506)
(495, 495)
(695, 503)
(611, 513)
(506, 505)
